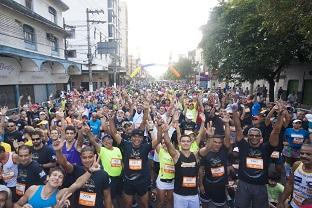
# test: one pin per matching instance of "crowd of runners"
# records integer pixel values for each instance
(156, 145)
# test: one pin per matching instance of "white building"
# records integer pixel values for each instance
(32, 50)
(77, 42)
(124, 37)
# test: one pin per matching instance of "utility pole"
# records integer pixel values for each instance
(89, 55)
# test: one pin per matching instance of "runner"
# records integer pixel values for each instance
(299, 183)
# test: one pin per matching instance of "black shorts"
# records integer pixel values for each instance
(132, 188)
(116, 186)
(215, 193)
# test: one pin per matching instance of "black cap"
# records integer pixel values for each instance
(139, 132)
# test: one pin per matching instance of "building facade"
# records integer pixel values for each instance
(32, 61)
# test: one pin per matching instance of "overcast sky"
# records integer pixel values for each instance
(160, 27)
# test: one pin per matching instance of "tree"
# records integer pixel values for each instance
(237, 41)
(184, 67)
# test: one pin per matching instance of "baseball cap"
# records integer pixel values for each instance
(138, 132)
(297, 120)
(188, 132)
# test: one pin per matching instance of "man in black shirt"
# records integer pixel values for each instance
(40, 152)
(254, 157)
(214, 163)
(12, 134)
(96, 191)
(29, 171)
(136, 169)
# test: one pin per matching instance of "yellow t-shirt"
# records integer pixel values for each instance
(111, 161)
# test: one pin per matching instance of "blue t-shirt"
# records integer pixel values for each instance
(95, 127)
(295, 138)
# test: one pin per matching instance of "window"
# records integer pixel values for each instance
(28, 4)
(52, 13)
(110, 15)
(110, 31)
(71, 53)
(54, 44)
(29, 35)
(71, 33)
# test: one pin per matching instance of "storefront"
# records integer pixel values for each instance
(28, 73)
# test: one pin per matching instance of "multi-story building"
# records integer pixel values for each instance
(32, 61)
(104, 26)
(124, 40)
(77, 42)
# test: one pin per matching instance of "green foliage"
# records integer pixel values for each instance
(184, 67)
(242, 39)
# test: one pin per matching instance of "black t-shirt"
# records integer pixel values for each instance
(135, 161)
(43, 155)
(21, 123)
(254, 162)
(93, 188)
(215, 164)
(31, 174)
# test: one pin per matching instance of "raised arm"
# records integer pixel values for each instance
(202, 129)
(159, 135)
(172, 151)
(82, 179)
(92, 140)
(113, 129)
(60, 158)
(238, 127)
(2, 118)
(227, 132)
(145, 115)
(275, 134)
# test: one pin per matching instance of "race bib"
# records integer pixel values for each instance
(115, 162)
(275, 155)
(298, 140)
(254, 163)
(168, 168)
(189, 182)
(217, 172)
(87, 199)
(135, 164)
(20, 189)
(7, 175)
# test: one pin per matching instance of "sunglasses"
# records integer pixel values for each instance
(254, 135)
(11, 126)
(35, 139)
(297, 122)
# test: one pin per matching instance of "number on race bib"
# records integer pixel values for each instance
(115, 162)
(135, 164)
(189, 182)
(87, 199)
(217, 172)
(254, 163)
(168, 168)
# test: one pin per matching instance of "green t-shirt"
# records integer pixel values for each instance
(274, 192)
(111, 161)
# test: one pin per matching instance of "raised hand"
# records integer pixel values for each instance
(96, 165)
(176, 116)
(202, 117)
(58, 144)
(164, 128)
(4, 110)
(63, 202)
(210, 130)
